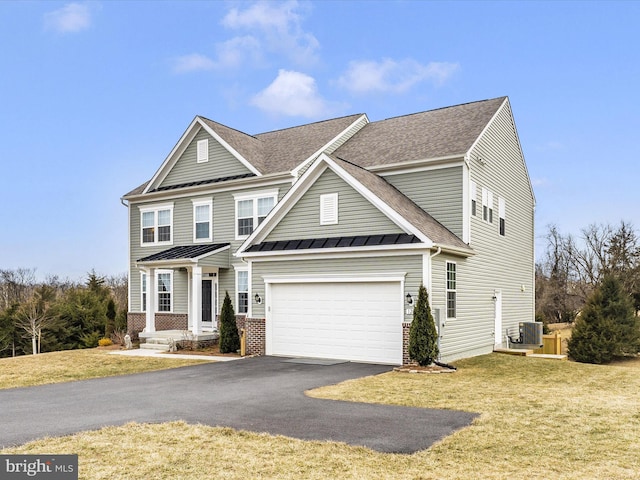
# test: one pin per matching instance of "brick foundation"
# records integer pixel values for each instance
(137, 321)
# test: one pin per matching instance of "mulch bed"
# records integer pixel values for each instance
(415, 368)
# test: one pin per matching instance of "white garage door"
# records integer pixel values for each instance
(350, 321)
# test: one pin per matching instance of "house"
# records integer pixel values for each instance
(322, 234)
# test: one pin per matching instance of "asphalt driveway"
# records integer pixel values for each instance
(263, 394)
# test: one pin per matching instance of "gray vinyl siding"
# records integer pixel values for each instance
(501, 262)
(221, 163)
(438, 192)
(409, 264)
(356, 215)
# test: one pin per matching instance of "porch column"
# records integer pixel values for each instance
(196, 300)
(151, 300)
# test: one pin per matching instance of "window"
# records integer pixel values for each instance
(143, 292)
(202, 222)
(502, 211)
(487, 205)
(156, 225)
(252, 210)
(242, 289)
(451, 290)
(474, 197)
(202, 151)
(165, 285)
(329, 209)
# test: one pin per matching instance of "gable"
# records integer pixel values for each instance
(220, 163)
(356, 215)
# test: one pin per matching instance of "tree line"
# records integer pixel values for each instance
(55, 314)
(593, 281)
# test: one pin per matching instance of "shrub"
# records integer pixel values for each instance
(105, 342)
(607, 327)
(423, 338)
(229, 338)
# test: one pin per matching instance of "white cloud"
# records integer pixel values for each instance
(278, 28)
(391, 76)
(234, 52)
(292, 94)
(72, 18)
(193, 62)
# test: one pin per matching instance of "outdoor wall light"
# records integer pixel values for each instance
(258, 299)
(409, 299)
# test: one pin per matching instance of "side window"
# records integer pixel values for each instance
(165, 291)
(143, 292)
(473, 190)
(487, 205)
(451, 290)
(242, 291)
(502, 212)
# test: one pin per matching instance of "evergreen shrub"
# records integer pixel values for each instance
(229, 338)
(423, 337)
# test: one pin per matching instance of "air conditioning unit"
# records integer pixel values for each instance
(531, 334)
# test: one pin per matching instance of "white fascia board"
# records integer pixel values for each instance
(486, 127)
(322, 149)
(418, 165)
(394, 216)
(284, 205)
(175, 153)
(231, 150)
(169, 264)
(344, 252)
(337, 278)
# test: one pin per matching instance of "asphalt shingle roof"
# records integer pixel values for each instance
(436, 133)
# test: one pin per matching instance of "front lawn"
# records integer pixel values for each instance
(56, 367)
(540, 419)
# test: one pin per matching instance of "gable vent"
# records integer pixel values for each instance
(203, 151)
(329, 209)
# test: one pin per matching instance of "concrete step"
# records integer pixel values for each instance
(158, 340)
(514, 351)
(155, 346)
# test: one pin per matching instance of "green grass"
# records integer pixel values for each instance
(540, 419)
(56, 367)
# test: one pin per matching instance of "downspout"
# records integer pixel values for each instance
(431, 257)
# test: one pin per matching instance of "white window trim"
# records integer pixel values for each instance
(237, 295)
(155, 209)
(157, 292)
(487, 202)
(329, 209)
(143, 291)
(201, 203)
(202, 151)
(447, 290)
(254, 196)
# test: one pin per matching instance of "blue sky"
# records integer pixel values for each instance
(94, 95)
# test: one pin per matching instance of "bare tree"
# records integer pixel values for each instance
(33, 316)
(119, 287)
(16, 286)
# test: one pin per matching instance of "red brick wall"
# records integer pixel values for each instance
(137, 321)
(255, 336)
(405, 343)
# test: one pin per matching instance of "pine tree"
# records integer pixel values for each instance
(423, 338)
(229, 338)
(607, 327)
(111, 318)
